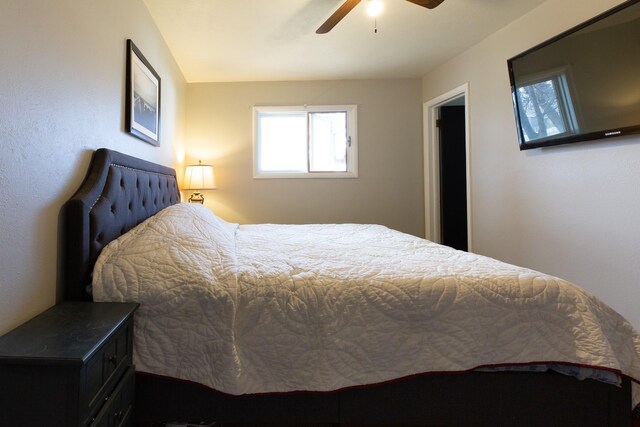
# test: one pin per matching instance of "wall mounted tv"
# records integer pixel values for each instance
(583, 84)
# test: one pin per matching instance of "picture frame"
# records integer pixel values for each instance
(142, 100)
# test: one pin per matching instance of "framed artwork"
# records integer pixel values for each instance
(142, 107)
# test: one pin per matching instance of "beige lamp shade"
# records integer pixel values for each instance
(199, 177)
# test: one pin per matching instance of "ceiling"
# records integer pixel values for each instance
(275, 40)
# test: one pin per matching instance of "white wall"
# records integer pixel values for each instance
(61, 97)
(571, 211)
(388, 190)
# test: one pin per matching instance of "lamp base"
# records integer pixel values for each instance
(196, 197)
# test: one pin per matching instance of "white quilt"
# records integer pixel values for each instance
(272, 308)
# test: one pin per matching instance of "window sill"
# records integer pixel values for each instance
(312, 175)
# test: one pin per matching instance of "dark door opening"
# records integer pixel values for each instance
(453, 177)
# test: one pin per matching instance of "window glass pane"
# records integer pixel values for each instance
(328, 141)
(283, 142)
(305, 142)
(541, 113)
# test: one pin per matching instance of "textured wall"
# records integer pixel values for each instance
(571, 210)
(61, 91)
(388, 190)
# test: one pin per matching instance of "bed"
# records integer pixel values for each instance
(272, 348)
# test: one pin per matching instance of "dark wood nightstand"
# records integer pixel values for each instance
(69, 366)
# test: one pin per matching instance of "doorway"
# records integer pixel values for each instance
(447, 169)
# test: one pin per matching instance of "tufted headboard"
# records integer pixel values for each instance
(118, 193)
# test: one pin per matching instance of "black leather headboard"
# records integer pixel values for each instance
(118, 193)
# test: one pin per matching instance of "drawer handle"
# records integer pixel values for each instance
(114, 359)
(118, 416)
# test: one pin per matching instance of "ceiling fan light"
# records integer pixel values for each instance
(374, 8)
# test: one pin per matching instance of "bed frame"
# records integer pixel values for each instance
(120, 191)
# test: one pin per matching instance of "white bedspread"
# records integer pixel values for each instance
(271, 308)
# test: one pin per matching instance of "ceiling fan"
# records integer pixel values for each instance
(346, 7)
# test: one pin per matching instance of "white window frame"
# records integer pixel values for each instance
(352, 145)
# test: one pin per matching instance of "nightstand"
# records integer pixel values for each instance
(69, 366)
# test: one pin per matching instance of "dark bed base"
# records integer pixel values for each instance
(121, 191)
(471, 399)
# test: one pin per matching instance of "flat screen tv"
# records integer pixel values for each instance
(583, 84)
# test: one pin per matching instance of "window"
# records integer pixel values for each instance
(305, 142)
(545, 107)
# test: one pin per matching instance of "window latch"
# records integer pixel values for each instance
(349, 141)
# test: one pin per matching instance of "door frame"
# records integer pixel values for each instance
(431, 142)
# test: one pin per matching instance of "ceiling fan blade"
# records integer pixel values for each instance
(429, 4)
(337, 16)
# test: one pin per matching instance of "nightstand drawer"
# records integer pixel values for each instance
(106, 367)
(64, 366)
(118, 408)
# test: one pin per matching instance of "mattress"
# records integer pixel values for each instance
(279, 308)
